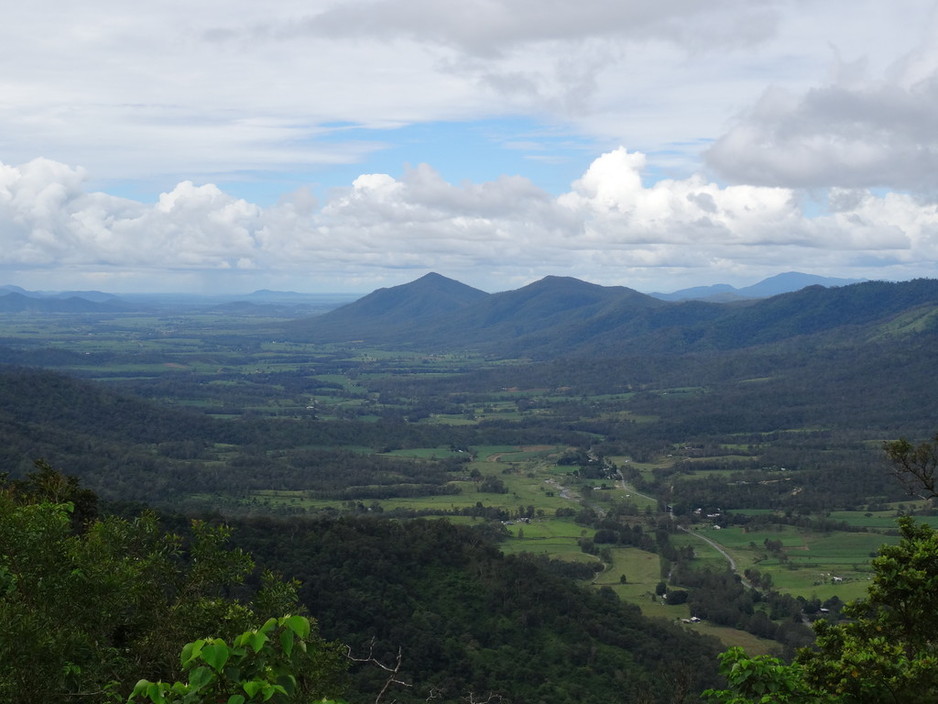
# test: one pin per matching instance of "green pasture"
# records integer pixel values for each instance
(547, 528)
(820, 583)
(642, 572)
(423, 453)
(753, 645)
(811, 563)
(486, 452)
(553, 537)
(524, 473)
(705, 555)
(451, 419)
(879, 520)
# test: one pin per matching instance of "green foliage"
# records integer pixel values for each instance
(87, 610)
(279, 662)
(469, 619)
(915, 465)
(763, 680)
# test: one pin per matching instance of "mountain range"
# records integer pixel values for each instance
(15, 299)
(772, 286)
(288, 303)
(559, 316)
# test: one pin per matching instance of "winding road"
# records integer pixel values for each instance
(715, 545)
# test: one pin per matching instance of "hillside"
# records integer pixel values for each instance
(15, 302)
(388, 312)
(787, 282)
(560, 316)
(468, 619)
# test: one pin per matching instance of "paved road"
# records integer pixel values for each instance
(716, 546)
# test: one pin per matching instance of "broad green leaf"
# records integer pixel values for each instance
(200, 677)
(236, 699)
(140, 688)
(252, 687)
(299, 625)
(191, 651)
(216, 654)
(155, 692)
(257, 641)
(288, 682)
(286, 642)
(272, 689)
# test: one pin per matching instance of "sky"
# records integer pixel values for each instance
(346, 145)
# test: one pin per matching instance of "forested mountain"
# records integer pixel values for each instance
(559, 316)
(430, 297)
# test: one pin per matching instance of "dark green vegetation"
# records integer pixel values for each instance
(571, 431)
(90, 605)
(560, 316)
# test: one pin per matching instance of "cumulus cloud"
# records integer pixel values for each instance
(610, 227)
(856, 130)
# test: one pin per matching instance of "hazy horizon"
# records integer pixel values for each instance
(349, 294)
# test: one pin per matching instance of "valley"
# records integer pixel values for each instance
(718, 466)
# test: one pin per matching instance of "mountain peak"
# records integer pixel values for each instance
(396, 307)
(786, 282)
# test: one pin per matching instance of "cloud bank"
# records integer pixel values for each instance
(609, 228)
(855, 131)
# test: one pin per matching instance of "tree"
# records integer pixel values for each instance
(888, 652)
(85, 610)
(763, 680)
(279, 662)
(491, 484)
(915, 465)
(885, 653)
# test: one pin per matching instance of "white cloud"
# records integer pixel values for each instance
(609, 228)
(858, 129)
(220, 91)
(208, 89)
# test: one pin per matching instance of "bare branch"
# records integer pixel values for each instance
(492, 698)
(915, 466)
(372, 660)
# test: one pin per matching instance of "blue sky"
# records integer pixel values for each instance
(343, 145)
(477, 151)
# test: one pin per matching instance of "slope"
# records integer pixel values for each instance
(559, 316)
(386, 312)
(467, 619)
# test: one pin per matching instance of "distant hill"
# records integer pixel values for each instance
(387, 311)
(15, 302)
(774, 285)
(264, 303)
(560, 316)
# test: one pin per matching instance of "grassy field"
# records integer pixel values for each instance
(809, 563)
